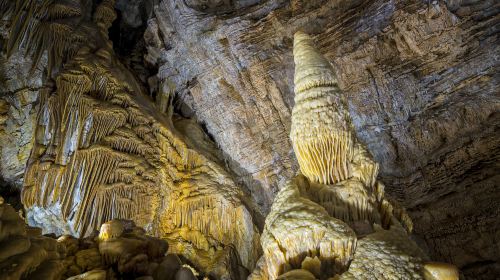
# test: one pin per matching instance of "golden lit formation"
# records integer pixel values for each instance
(103, 151)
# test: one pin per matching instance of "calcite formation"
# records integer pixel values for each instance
(102, 151)
(321, 130)
(419, 80)
(334, 221)
(297, 228)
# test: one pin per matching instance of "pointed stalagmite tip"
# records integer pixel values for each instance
(321, 130)
(311, 68)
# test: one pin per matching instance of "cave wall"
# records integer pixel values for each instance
(422, 86)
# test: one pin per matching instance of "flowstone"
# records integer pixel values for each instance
(103, 151)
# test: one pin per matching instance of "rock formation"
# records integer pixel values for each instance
(19, 88)
(321, 127)
(24, 251)
(335, 222)
(102, 151)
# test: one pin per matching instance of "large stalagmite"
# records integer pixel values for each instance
(335, 221)
(102, 150)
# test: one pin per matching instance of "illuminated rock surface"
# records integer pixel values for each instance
(102, 150)
(26, 254)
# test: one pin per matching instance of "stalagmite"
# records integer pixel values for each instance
(335, 223)
(297, 228)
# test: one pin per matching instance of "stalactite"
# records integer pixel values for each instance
(42, 25)
(102, 149)
(128, 142)
(95, 165)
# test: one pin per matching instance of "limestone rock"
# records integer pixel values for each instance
(386, 254)
(297, 228)
(88, 259)
(419, 79)
(437, 271)
(167, 268)
(297, 274)
(321, 130)
(19, 90)
(184, 274)
(90, 275)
